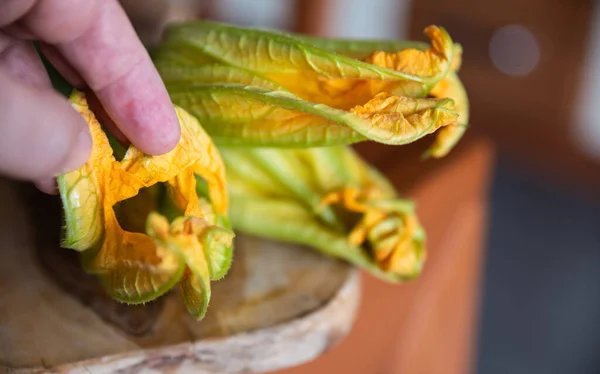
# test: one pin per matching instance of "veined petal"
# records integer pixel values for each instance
(236, 115)
(251, 116)
(406, 118)
(434, 62)
(337, 167)
(276, 173)
(332, 167)
(359, 48)
(327, 198)
(180, 52)
(448, 137)
(272, 52)
(431, 64)
(197, 240)
(286, 220)
(83, 191)
(195, 154)
(178, 75)
(388, 226)
(133, 266)
(309, 71)
(449, 87)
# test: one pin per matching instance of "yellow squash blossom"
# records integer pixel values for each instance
(173, 234)
(329, 199)
(396, 55)
(264, 88)
(449, 87)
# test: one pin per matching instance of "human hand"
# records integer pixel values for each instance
(93, 45)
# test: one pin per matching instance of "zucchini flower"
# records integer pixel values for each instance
(328, 199)
(264, 88)
(145, 224)
(388, 53)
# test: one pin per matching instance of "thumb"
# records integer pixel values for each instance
(41, 135)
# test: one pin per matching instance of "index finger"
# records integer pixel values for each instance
(106, 52)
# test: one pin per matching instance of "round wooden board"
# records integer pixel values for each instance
(279, 306)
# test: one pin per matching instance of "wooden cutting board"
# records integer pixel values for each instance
(279, 306)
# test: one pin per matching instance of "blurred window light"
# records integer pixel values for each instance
(270, 14)
(586, 132)
(374, 19)
(514, 50)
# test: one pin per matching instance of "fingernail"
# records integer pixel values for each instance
(81, 152)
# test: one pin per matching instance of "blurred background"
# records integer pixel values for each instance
(532, 72)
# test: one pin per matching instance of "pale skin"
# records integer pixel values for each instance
(93, 45)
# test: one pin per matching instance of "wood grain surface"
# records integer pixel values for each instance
(279, 306)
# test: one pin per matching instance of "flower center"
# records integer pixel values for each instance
(132, 213)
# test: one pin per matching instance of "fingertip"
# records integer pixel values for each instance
(80, 153)
(117, 68)
(47, 186)
(142, 109)
(158, 145)
(43, 136)
(164, 138)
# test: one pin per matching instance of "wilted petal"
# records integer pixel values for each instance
(329, 199)
(449, 136)
(197, 240)
(433, 62)
(178, 75)
(251, 116)
(137, 267)
(83, 191)
(403, 120)
(308, 70)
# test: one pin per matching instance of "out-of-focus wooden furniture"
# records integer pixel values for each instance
(427, 326)
(530, 118)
